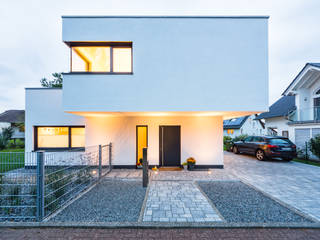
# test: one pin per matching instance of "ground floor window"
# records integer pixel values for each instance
(142, 142)
(285, 134)
(230, 131)
(59, 137)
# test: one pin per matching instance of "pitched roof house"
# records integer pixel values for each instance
(297, 114)
(243, 125)
(15, 119)
(276, 118)
(161, 82)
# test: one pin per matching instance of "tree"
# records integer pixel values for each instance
(5, 136)
(314, 144)
(55, 83)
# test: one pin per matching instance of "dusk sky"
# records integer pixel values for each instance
(31, 46)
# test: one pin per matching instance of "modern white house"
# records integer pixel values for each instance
(243, 125)
(276, 119)
(161, 82)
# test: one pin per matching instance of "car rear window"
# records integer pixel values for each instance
(276, 141)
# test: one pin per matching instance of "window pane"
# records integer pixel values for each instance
(90, 59)
(53, 137)
(122, 60)
(142, 136)
(77, 137)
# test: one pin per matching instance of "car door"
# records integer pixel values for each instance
(245, 145)
(255, 144)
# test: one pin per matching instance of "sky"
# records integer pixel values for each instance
(31, 47)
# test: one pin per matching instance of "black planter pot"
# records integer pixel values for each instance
(190, 167)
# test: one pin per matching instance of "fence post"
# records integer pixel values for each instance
(40, 186)
(100, 161)
(145, 175)
(110, 156)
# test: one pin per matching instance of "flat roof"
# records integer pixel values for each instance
(41, 88)
(163, 16)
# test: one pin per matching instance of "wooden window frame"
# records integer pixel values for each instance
(112, 45)
(36, 148)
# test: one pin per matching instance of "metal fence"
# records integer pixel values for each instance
(36, 184)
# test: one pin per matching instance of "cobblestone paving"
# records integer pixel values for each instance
(167, 234)
(294, 183)
(177, 201)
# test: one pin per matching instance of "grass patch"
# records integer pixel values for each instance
(307, 162)
(11, 159)
(12, 150)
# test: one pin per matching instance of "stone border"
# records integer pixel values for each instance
(140, 219)
(150, 225)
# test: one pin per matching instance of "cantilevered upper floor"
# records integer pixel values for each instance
(166, 64)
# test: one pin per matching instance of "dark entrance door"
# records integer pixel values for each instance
(170, 152)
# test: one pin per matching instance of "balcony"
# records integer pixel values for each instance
(304, 115)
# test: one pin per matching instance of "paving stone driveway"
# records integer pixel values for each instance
(294, 183)
(178, 201)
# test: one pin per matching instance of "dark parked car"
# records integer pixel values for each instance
(266, 147)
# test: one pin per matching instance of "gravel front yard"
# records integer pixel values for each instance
(109, 201)
(240, 203)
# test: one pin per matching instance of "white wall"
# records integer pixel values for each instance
(201, 137)
(44, 108)
(281, 124)
(179, 64)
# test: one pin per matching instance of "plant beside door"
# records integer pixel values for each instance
(191, 162)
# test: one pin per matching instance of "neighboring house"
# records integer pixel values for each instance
(276, 119)
(158, 82)
(243, 125)
(304, 121)
(14, 119)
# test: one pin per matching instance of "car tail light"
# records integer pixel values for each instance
(294, 146)
(271, 146)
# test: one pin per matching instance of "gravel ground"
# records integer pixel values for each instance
(240, 203)
(109, 201)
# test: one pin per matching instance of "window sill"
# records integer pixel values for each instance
(99, 73)
(60, 149)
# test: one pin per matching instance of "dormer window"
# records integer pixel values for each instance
(101, 57)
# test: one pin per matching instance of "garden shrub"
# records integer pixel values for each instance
(227, 143)
(240, 137)
(314, 145)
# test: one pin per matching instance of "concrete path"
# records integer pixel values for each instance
(178, 201)
(294, 183)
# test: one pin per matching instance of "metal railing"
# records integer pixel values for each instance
(34, 185)
(305, 114)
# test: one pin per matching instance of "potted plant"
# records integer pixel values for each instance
(191, 162)
(185, 166)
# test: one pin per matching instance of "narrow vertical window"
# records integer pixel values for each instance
(142, 142)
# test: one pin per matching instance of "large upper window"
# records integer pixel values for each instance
(112, 58)
(59, 137)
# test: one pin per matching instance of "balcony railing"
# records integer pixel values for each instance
(305, 114)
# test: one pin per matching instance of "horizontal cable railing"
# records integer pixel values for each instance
(36, 184)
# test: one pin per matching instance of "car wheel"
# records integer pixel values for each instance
(260, 155)
(235, 150)
(287, 159)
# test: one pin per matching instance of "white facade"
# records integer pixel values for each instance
(280, 125)
(182, 70)
(250, 127)
(180, 64)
